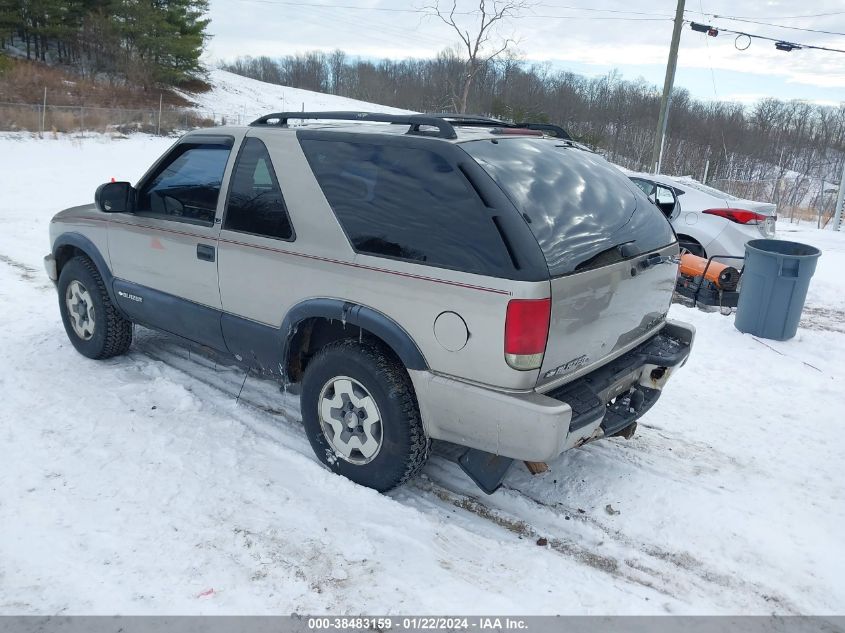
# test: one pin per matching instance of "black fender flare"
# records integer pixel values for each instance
(369, 319)
(79, 241)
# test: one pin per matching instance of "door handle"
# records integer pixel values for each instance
(205, 252)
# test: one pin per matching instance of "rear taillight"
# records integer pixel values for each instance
(740, 216)
(526, 331)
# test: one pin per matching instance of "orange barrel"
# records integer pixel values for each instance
(725, 277)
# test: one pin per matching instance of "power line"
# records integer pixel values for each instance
(311, 5)
(648, 16)
(397, 36)
(779, 43)
(592, 17)
(570, 6)
(314, 5)
(774, 17)
(779, 26)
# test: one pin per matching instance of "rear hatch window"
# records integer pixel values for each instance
(580, 208)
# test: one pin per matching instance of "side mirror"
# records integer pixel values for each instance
(115, 197)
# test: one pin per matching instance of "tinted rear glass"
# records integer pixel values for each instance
(407, 203)
(579, 207)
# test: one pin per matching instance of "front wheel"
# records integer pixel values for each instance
(94, 326)
(361, 415)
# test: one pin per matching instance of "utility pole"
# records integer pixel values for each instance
(656, 153)
(837, 218)
(44, 112)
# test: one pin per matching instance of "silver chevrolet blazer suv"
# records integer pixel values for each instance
(494, 286)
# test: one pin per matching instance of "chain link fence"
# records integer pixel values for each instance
(80, 119)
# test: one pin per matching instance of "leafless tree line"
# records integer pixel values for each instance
(788, 152)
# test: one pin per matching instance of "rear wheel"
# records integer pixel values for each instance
(361, 415)
(94, 326)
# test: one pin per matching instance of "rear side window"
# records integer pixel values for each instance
(255, 202)
(407, 203)
(580, 208)
(186, 185)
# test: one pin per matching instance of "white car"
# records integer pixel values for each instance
(709, 222)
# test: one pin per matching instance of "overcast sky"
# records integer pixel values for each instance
(586, 36)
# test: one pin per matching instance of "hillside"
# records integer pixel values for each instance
(76, 103)
(237, 99)
(23, 81)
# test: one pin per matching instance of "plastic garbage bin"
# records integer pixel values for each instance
(774, 286)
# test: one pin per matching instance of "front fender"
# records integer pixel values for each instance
(90, 250)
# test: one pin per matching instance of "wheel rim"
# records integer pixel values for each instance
(80, 309)
(350, 420)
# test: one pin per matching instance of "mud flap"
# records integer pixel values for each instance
(485, 469)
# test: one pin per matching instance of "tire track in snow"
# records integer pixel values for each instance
(27, 273)
(824, 319)
(646, 564)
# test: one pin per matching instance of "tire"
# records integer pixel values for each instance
(346, 373)
(94, 326)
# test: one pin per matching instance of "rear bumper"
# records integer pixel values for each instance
(538, 427)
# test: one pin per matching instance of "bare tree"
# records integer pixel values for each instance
(776, 151)
(480, 41)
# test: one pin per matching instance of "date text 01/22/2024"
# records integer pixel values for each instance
(416, 623)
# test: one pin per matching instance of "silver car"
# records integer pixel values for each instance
(483, 285)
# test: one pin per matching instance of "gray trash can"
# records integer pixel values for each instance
(774, 286)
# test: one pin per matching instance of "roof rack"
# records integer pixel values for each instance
(469, 120)
(557, 131)
(415, 121)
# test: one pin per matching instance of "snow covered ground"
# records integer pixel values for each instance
(240, 100)
(141, 485)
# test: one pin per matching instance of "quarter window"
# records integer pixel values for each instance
(186, 186)
(407, 203)
(255, 199)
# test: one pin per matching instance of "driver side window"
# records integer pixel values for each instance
(186, 186)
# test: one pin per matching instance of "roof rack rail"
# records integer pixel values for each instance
(469, 120)
(557, 131)
(415, 121)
